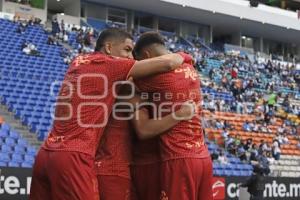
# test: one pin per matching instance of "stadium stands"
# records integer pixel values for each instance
(26, 80)
(14, 151)
(28, 94)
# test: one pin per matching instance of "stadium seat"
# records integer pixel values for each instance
(26, 165)
(22, 142)
(3, 133)
(14, 135)
(19, 149)
(5, 126)
(4, 157)
(17, 158)
(29, 159)
(31, 151)
(2, 164)
(13, 164)
(10, 142)
(6, 149)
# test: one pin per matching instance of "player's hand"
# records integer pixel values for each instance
(187, 111)
(187, 58)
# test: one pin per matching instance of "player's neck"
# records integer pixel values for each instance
(161, 51)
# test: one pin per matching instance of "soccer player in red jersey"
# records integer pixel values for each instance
(64, 166)
(186, 167)
(113, 157)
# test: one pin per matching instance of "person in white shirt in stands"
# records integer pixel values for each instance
(66, 37)
(222, 158)
(276, 149)
(225, 134)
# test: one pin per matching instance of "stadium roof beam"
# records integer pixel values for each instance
(225, 23)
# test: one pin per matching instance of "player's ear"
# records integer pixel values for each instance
(108, 48)
(147, 54)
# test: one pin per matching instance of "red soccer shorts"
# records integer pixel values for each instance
(186, 179)
(146, 181)
(63, 176)
(115, 188)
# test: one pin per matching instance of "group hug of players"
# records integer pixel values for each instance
(97, 150)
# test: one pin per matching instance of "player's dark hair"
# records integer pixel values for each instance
(147, 39)
(111, 33)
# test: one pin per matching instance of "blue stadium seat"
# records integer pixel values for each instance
(19, 149)
(14, 135)
(10, 142)
(236, 173)
(3, 133)
(5, 126)
(13, 164)
(228, 172)
(22, 142)
(2, 164)
(17, 158)
(6, 149)
(29, 159)
(4, 157)
(31, 151)
(26, 165)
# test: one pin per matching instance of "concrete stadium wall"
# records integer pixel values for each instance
(24, 10)
(95, 11)
(73, 9)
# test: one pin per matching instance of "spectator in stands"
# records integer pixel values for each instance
(222, 158)
(270, 157)
(234, 72)
(22, 27)
(227, 125)
(214, 156)
(211, 106)
(282, 129)
(263, 147)
(219, 124)
(225, 134)
(264, 162)
(294, 131)
(211, 73)
(255, 127)
(241, 152)
(37, 21)
(276, 149)
(247, 127)
(272, 100)
(55, 27)
(248, 144)
(237, 140)
(255, 184)
(228, 141)
(51, 40)
(232, 147)
(282, 138)
(265, 129)
(253, 153)
(30, 49)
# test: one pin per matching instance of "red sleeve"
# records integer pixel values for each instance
(120, 68)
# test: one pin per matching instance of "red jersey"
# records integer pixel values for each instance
(113, 156)
(168, 91)
(145, 151)
(85, 101)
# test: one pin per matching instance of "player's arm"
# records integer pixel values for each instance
(147, 128)
(158, 65)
